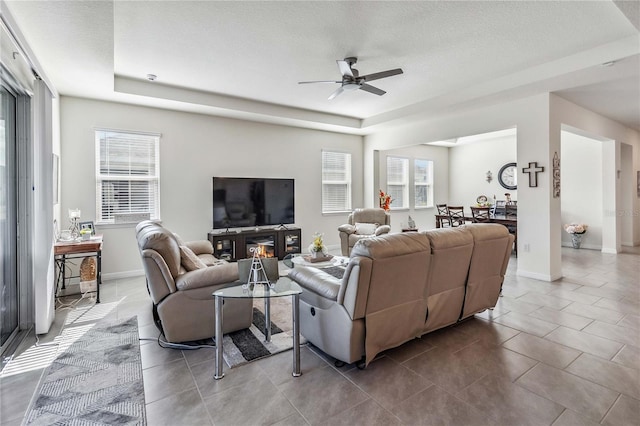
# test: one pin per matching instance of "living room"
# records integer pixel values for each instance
(201, 130)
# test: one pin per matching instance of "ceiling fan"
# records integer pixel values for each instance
(352, 80)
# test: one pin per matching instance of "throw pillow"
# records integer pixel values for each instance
(366, 228)
(189, 260)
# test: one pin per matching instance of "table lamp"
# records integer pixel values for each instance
(74, 218)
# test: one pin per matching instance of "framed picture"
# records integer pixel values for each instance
(87, 225)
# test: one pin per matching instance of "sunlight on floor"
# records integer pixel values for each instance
(77, 322)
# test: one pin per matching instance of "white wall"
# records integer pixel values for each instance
(424, 217)
(621, 217)
(468, 166)
(193, 149)
(538, 120)
(581, 187)
(531, 118)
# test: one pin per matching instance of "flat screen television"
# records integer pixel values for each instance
(252, 202)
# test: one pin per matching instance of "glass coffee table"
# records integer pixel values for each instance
(283, 287)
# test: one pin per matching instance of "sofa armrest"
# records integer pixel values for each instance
(316, 281)
(211, 275)
(346, 228)
(200, 246)
(383, 229)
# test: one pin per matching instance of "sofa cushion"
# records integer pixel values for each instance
(366, 228)
(189, 260)
(157, 238)
(390, 245)
(199, 246)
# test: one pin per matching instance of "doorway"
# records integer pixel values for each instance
(9, 298)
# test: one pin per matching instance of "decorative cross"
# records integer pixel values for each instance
(533, 171)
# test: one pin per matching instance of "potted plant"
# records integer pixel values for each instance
(576, 230)
(385, 201)
(85, 234)
(317, 247)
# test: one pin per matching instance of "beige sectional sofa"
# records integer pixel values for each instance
(397, 287)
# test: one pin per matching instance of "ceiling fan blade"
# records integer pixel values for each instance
(381, 74)
(319, 81)
(369, 88)
(336, 93)
(345, 69)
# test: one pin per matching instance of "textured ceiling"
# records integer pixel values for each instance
(212, 57)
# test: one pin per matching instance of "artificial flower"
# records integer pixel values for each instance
(576, 228)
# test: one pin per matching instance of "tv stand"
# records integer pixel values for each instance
(278, 242)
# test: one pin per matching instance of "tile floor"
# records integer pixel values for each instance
(561, 353)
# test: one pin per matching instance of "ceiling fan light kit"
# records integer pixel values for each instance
(352, 80)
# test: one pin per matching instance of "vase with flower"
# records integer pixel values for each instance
(576, 230)
(317, 247)
(385, 201)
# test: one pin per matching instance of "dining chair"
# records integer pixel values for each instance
(511, 212)
(456, 215)
(480, 214)
(498, 207)
(444, 222)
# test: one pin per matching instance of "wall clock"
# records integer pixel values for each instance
(508, 175)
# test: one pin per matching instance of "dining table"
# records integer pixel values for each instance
(497, 218)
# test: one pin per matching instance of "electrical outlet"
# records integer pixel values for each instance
(527, 247)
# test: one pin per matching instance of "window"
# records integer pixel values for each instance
(398, 181)
(423, 183)
(127, 175)
(336, 182)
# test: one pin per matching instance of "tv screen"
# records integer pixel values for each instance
(252, 202)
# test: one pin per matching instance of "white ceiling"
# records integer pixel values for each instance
(244, 59)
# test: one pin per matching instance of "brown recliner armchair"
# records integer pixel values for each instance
(183, 302)
(363, 223)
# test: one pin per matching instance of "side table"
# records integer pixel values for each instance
(65, 250)
(283, 287)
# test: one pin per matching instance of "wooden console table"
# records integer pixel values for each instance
(277, 242)
(65, 250)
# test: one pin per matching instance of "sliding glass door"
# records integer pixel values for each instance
(8, 218)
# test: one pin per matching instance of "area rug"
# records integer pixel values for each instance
(97, 380)
(242, 346)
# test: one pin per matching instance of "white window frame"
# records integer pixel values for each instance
(403, 182)
(129, 214)
(428, 183)
(329, 206)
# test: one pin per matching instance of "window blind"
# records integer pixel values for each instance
(398, 181)
(127, 174)
(423, 183)
(336, 182)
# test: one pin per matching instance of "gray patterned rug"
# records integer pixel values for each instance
(240, 347)
(97, 380)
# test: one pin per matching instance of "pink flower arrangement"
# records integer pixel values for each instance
(576, 228)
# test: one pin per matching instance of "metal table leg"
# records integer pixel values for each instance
(267, 319)
(295, 306)
(98, 274)
(219, 373)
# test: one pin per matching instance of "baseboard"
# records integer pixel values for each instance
(121, 275)
(584, 246)
(538, 276)
(609, 251)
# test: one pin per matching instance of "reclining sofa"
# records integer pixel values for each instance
(183, 302)
(397, 287)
